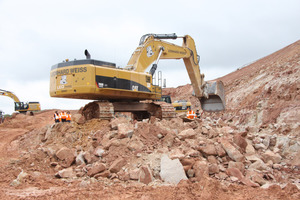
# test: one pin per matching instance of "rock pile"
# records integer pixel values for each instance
(158, 152)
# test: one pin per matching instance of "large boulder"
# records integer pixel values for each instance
(171, 170)
(66, 155)
(231, 151)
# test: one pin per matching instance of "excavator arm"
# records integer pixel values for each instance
(21, 106)
(152, 48)
(9, 94)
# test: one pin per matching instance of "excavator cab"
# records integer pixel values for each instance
(214, 96)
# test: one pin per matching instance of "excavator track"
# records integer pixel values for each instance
(140, 110)
(167, 110)
(98, 109)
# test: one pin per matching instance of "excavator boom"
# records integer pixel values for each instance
(152, 48)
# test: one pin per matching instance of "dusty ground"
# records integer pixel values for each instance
(262, 101)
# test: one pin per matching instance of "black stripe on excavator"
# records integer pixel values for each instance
(84, 62)
(119, 83)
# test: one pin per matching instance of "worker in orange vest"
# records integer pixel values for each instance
(68, 117)
(63, 116)
(190, 114)
(56, 117)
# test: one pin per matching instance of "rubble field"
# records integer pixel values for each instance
(249, 151)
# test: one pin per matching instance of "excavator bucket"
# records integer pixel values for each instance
(216, 97)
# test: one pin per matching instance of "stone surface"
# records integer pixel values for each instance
(269, 155)
(231, 151)
(240, 141)
(96, 168)
(145, 175)
(238, 165)
(98, 151)
(117, 165)
(201, 170)
(134, 174)
(80, 159)
(124, 130)
(213, 169)
(66, 155)
(258, 165)
(66, 173)
(171, 170)
(208, 149)
(187, 134)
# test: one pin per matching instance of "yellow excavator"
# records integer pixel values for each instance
(126, 89)
(179, 105)
(21, 107)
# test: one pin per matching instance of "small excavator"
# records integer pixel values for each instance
(21, 107)
(132, 89)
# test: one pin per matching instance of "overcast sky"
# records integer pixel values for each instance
(36, 34)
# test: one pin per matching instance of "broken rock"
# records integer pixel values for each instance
(66, 173)
(66, 155)
(117, 165)
(231, 151)
(171, 170)
(201, 169)
(145, 175)
(269, 155)
(187, 134)
(96, 168)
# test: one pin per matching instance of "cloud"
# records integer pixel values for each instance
(34, 35)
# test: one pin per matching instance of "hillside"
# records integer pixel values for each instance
(266, 91)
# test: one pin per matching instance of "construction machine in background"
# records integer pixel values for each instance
(21, 107)
(1, 116)
(179, 105)
(126, 89)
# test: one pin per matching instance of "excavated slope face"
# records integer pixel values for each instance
(266, 92)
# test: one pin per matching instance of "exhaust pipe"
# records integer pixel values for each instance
(87, 54)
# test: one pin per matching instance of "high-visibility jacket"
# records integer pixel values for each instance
(56, 116)
(191, 114)
(69, 117)
(63, 115)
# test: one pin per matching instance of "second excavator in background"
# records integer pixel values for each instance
(21, 107)
(179, 105)
(132, 89)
